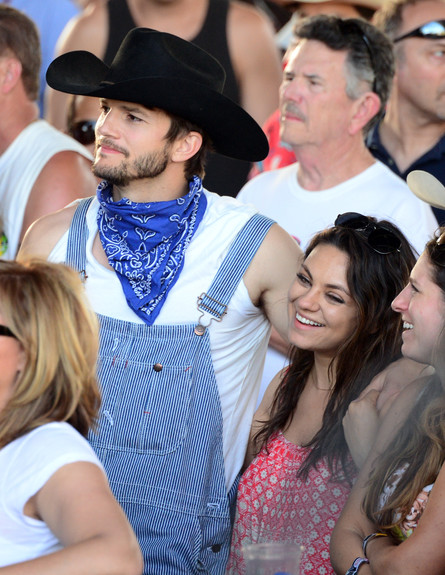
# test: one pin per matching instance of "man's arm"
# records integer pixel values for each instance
(44, 234)
(66, 177)
(256, 60)
(270, 275)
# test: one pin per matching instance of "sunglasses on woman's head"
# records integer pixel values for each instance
(437, 253)
(382, 240)
(83, 132)
(434, 30)
(6, 331)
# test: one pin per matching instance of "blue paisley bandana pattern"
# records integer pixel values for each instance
(145, 243)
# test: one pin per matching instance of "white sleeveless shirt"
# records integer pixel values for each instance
(20, 166)
(238, 343)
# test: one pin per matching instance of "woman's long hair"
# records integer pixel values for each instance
(45, 307)
(373, 280)
(419, 446)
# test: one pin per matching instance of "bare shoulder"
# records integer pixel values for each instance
(65, 177)
(87, 31)
(70, 170)
(248, 18)
(44, 234)
(250, 30)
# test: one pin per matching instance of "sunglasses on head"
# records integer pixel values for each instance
(381, 239)
(6, 331)
(434, 30)
(83, 131)
(437, 253)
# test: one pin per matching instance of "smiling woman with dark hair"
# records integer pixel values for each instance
(343, 333)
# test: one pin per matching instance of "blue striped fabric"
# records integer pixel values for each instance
(160, 429)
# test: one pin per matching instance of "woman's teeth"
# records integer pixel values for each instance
(307, 321)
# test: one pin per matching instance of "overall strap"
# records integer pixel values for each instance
(77, 238)
(234, 266)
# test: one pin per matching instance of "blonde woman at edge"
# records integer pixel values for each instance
(57, 513)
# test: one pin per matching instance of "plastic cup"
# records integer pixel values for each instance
(272, 558)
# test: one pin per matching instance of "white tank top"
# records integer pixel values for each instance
(20, 166)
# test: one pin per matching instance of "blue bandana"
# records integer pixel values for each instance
(145, 243)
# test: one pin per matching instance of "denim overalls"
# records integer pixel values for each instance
(159, 434)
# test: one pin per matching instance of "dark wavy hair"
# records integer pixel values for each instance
(373, 281)
(419, 446)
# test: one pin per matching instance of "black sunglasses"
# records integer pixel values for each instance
(348, 27)
(381, 239)
(6, 331)
(434, 30)
(83, 132)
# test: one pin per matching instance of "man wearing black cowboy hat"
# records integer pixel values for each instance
(184, 282)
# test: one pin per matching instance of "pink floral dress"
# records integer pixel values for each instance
(274, 504)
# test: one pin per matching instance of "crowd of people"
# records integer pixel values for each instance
(222, 285)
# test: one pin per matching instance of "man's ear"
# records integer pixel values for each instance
(365, 108)
(10, 73)
(185, 147)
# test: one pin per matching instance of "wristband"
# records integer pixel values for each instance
(357, 563)
(369, 538)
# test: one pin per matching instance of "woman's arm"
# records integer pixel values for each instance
(77, 505)
(424, 550)
(353, 525)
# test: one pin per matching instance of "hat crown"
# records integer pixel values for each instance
(159, 70)
(146, 53)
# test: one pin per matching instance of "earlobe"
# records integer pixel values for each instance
(186, 147)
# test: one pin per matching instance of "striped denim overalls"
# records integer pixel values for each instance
(159, 434)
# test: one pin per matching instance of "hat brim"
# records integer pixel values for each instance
(233, 132)
(427, 187)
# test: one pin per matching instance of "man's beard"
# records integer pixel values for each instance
(143, 167)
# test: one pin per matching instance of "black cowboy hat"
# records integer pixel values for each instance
(160, 70)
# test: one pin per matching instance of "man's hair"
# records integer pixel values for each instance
(196, 164)
(389, 17)
(19, 38)
(370, 55)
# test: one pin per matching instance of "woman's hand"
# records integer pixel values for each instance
(360, 425)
